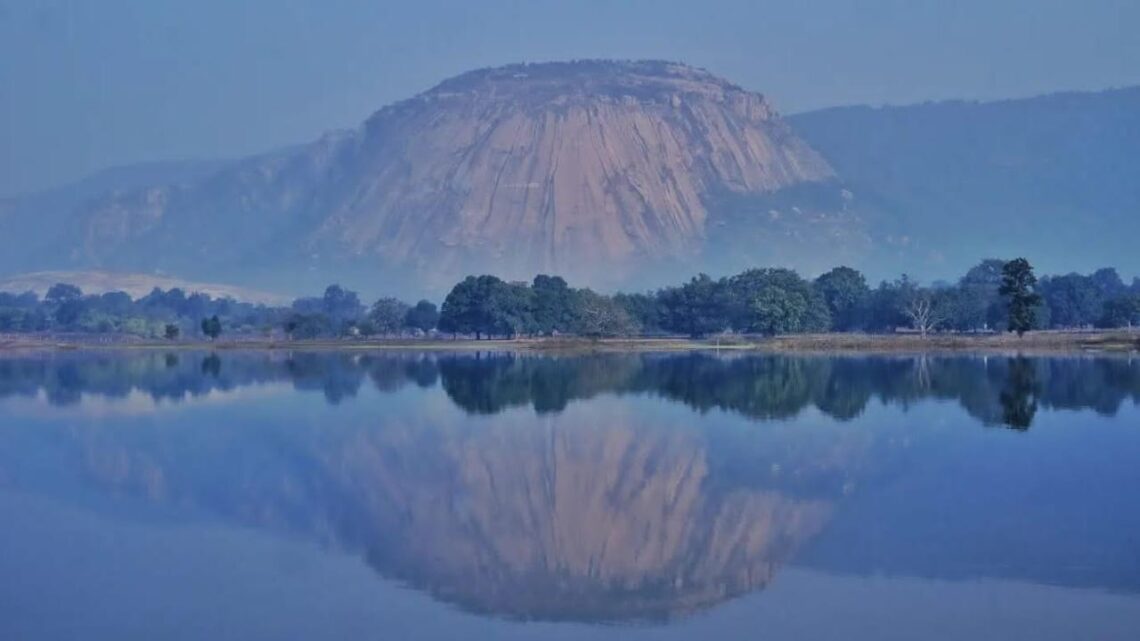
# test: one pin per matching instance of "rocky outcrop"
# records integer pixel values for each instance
(591, 169)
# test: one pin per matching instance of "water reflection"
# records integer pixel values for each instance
(997, 391)
(596, 500)
(1019, 395)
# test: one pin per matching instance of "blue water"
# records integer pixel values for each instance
(496, 496)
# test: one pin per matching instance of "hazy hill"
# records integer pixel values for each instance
(615, 174)
(604, 171)
(1055, 178)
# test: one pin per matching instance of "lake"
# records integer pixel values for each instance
(342, 495)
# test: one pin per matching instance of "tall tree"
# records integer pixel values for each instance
(1122, 311)
(63, 292)
(1074, 300)
(696, 308)
(644, 309)
(1018, 287)
(387, 316)
(845, 291)
(775, 301)
(482, 305)
(212, 327)
(424, 316)
(884, 307)
(924, 308)
(978, 305)
(553, 305)
(342, 306)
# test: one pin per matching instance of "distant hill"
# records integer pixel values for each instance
(608, 172)
(615, 174)
(137, 285)
(1055, 178)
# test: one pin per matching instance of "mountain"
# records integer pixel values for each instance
(1055, 178)
(31, 224)
(607, 172)
(615, 174)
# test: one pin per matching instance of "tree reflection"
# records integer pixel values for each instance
(212, 366)
(1019, 396)
(994, 390)
(589, 511)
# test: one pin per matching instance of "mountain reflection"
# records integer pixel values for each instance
(994, 390)
(611, 510)
(615, 521)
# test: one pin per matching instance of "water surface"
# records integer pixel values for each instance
(433, 496)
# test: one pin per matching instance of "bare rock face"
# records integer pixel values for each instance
(589, 169)
(556, 167)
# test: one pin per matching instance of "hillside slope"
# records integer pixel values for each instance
(1055, 178)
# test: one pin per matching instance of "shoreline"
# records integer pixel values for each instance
(1115, 341)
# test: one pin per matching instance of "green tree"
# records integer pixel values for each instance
(171, 331)
(343, 308)
(65, 304)
(300, 325)
(977, 303)
(63, 292)
(1017, 287)
(212, 327)
(775, 301)
(644, 309)
(1075, 300)
(485, 305)
(1122, 311)
(696, 308)
(554, 304)
(511, 308)
(387, 316)
(462, 310)
(845, 292)
(424, 316)
(69, 311)
(884, 307)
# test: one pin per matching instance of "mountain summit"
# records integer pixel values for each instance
(599, 170)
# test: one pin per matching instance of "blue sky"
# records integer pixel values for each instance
(86, 85)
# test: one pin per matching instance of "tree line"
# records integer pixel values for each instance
(160, 314)
(993, 296)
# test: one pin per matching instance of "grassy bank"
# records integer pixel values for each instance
(1117, 341)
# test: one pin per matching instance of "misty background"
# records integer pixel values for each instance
(88, 85)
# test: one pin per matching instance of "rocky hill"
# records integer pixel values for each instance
(603, 171)
(615, 174)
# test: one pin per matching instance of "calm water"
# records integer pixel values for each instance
(434, 496)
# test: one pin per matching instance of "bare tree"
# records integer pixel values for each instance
(922, 309)
(599, 316)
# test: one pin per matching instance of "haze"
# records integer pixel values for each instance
(90, 85)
